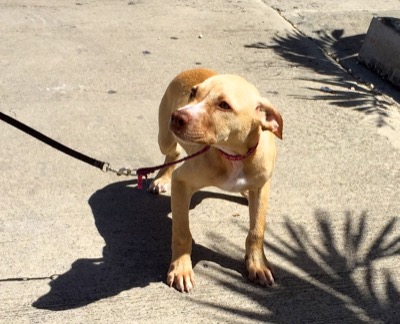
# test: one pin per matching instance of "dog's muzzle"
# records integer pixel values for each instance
(179, 121)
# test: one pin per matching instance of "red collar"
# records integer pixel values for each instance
(239, 157)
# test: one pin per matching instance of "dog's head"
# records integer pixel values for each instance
(224, 110)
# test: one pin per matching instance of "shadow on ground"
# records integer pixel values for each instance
(340, 282)
(137, 232)
(338, 87)
(136, 229)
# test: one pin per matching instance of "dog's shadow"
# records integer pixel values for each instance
(137, 233)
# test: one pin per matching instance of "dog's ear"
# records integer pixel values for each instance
(270, 117)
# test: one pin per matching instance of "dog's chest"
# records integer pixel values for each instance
(236, 179)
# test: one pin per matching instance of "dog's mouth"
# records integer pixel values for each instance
(192, 137)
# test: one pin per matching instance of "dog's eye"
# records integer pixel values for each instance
(193, 92)
(224, 105)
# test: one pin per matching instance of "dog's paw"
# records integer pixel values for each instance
(245, 194)
(260, 271)
(159, 186)
(181, 275)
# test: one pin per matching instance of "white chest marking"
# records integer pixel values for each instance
(236, 181)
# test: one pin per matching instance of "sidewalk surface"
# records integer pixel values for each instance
(81, 246)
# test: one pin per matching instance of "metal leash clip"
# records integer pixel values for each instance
(121, 171)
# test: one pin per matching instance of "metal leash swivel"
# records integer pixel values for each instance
(119, 172)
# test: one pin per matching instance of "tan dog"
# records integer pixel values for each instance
(226, 112)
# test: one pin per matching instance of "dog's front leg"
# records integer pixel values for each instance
(180, 273)
(257, 265)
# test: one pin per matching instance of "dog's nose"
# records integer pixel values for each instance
(179, 120)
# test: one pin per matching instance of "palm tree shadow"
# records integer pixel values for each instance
(332, 266)
(338, 283)
(136, 229)
(338, 88)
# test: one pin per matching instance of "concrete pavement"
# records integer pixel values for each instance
(80, 246)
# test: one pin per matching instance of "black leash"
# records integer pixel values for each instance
(103, 166)
(58, 146)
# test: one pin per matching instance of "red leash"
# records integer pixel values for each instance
(143, 172)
